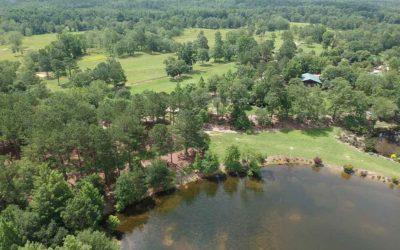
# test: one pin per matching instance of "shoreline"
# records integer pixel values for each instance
(362, 173)
(280, 160)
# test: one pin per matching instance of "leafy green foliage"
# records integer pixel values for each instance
(110, 72)
(130, 188)
(87, 205)
(50, 195)
(232, 160)
(113, 222)
(159, 176)
(208, 165)
(188, 128)
(176, 67)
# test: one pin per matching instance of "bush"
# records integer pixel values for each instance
(260, 158)
(96, 240)
(264, 118)
(348, 169)
(130, 188)
(395, 180)
(87, 204)
(370, 145)
(210, 164)
(159, 177)
(240, 119)
(197, 163)
(254, 168)
(232, 160)
(113, 222)
(318, 162)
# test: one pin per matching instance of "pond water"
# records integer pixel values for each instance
(292, 208)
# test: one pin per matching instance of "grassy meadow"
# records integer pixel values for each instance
(147, 71)
(308, 144)
(29, 43)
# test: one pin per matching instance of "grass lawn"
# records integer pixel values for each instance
(167, 85)
(29, 43)
(191, 35)
(308, 144)
(147, 71)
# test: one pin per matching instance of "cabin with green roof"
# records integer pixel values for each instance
(310, 79)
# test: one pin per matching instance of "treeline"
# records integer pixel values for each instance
(27, 18)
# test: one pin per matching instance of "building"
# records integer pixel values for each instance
(310, 79)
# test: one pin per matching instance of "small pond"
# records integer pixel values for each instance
(292, 208)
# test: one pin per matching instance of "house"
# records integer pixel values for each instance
(310, 79)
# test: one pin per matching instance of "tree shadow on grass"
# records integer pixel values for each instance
(181, 78)
(206, 65)
(197, 71)
(286, 130)
(317, 132)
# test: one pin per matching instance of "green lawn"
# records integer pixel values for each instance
(191, 35)
(30, 43)
(308, 144)
(166, 84)
(147, 71)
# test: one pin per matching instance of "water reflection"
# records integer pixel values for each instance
(291, 208)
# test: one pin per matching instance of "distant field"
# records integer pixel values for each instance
(191, 34)
(30, 43)
(309, 144)
(147, 71)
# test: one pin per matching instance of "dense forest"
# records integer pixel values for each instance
(71, 158)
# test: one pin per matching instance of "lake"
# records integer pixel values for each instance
(292, 208)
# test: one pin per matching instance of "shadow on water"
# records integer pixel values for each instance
(140, 207)
(317, 132)
(231, 185)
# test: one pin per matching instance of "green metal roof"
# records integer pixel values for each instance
(310, 77)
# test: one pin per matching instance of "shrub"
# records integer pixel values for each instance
(348, 169)
(197, 164)
(96, 240)
(232, 160)
(318, 162)
(260, 158)
(395, 180)
(130, 188)
(159, 176)
(240, 119)
(254, 168)
(370, 145)
(113, 222)
(364, 173)
(264, 117)
(210, 164)
(393, 156)
(87, 204)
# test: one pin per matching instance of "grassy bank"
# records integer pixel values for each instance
(308, 144)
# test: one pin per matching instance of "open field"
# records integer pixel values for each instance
(30, 43)
(308, 144)
(147, 71)
(191, 34)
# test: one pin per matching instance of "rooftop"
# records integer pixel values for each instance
(310, 77)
